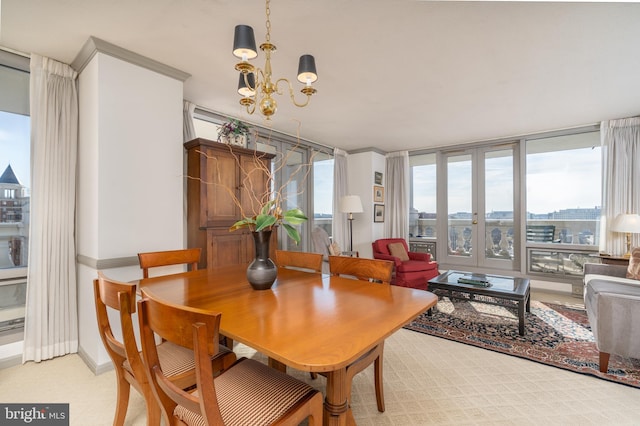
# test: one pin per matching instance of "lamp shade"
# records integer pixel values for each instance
(244, 43)
(350, 204)
(242, 85)
(307, 69)
(626, 223)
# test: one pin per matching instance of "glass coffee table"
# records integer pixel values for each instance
(499, 290)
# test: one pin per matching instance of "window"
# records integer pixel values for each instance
(536, 203)
(14, 192)
(422, 212)
(564, 189)
(323, 192)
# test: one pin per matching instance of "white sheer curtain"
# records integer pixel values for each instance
(340, 224)
(188, 130)
(396, 224)
(51, 325)
(620, 179)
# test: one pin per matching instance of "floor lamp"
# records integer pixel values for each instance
(627, 224)
(350, 204)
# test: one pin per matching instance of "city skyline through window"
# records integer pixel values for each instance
(15, 145)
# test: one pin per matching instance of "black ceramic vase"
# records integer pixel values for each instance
(262, 272)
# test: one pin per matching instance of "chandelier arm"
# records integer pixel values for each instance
(250, 106)
(291, 94)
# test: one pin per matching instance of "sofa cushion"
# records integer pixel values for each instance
(590, 277)
(633, 271)
(398, 250)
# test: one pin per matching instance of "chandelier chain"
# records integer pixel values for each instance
(268, 24)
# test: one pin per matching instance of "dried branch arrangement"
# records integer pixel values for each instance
(267, 202)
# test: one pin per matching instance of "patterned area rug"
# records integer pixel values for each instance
(557, 335)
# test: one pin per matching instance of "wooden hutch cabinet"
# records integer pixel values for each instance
(219, 177)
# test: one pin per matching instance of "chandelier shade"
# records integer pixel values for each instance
(244, 89)
(307, 69)
(244, 43)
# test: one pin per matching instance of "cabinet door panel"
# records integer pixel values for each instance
(226, 248)
(221, 188)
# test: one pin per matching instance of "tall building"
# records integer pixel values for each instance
(14, 220)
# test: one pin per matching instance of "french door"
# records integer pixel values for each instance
(479, 198)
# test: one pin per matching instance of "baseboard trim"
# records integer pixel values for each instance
(95, 368)
(11, 361)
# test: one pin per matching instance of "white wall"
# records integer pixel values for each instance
(130, 183)
(360, 173)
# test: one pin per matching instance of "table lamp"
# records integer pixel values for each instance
(628, 224)
(350, 204)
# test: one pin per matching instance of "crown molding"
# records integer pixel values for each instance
(95, 45)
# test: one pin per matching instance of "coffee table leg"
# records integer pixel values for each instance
(521, 308)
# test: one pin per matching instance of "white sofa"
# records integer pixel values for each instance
(612, 302)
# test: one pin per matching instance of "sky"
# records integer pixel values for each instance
(555, 180)
(323, 186)
(15, 145)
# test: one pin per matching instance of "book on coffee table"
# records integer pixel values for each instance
(474, 280)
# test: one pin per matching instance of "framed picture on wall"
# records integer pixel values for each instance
(378, 212)
(377, 178)
(378, 194)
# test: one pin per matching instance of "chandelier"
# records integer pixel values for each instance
(256, 85)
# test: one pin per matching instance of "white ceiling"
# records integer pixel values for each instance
(393, 74)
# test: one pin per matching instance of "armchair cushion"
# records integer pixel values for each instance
(398, 250)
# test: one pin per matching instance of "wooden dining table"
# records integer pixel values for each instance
(307, 321)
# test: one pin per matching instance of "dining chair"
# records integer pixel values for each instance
(247, 393)
(299, 260)
(127, 360)
(190, 256)
(362, 268)
(373, 270)
(155, 259)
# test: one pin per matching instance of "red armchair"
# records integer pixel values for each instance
(411, 269)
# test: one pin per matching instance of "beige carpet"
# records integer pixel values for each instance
(428, 381)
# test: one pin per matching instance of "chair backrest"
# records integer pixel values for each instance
(362, 268)
(119, 296)
(299, 259)
(171, 257)
(382, 245)
(541, 233)
(190, 328)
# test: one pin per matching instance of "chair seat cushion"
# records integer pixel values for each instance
(416, 266)
(250, 393)
(174, 359)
